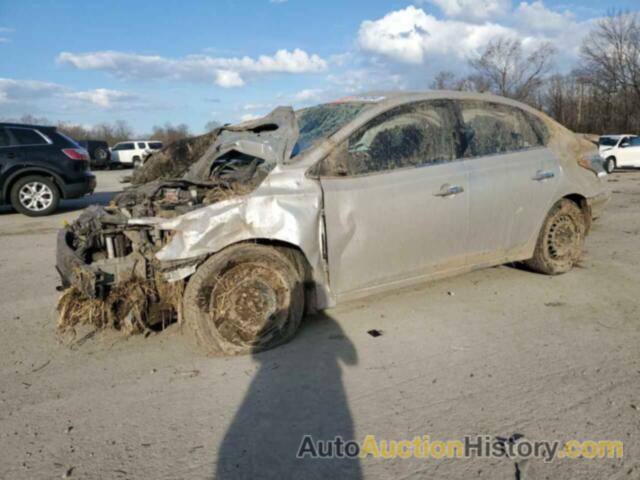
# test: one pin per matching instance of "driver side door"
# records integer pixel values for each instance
(395, 200)
(629, 152)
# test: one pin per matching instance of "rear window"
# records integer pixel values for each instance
(68, 139)
(27, 136)
(155, 145)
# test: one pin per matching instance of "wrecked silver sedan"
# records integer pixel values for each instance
(302, 210)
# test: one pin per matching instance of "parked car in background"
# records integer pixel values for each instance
(619, 151)
(133, 153)
(98, 152)
(39, 166)
(341, 201)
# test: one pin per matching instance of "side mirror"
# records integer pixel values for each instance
(624, 144)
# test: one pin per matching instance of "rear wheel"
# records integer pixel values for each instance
(137, 163)
(244, 299)
(610, 164)
(561, 239)
(35, 196)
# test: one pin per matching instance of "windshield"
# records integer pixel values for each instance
(317, 123)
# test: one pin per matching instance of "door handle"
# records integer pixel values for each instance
(448, 190)
(543, 175)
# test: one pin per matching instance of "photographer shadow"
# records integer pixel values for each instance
(297, 391)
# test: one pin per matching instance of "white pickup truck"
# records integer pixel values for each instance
(134, 152)
(619, 151)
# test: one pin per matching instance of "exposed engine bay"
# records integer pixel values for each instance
(106, 258)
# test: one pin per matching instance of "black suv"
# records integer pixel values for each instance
(98, 152)
(39, 166)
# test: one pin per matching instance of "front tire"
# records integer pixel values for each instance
(245, 299)
(137, 163)
(35, 196)
(610, 164)
(561, 239)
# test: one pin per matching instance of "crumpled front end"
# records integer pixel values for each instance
(107, 259)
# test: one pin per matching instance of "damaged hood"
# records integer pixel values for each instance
(270, 138)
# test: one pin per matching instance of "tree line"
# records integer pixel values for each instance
(112, 133)
(600, 95)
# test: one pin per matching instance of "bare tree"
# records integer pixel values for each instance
(504, 67)
(169, 133)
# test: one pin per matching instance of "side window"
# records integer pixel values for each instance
(5, 141)
(493, 128)
(27, 136)
(142, 145)
(124, 146)
(634, 142)
(412, 135)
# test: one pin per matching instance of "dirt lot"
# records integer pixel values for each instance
(494, 352)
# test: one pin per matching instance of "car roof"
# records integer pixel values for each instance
(28, 125)
(383, 99)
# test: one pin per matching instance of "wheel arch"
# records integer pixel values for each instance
(25, 172)
(581, 201)
(297, 257)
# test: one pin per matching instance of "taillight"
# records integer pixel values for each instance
(76, 153)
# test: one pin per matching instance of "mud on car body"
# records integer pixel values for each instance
(302, 210)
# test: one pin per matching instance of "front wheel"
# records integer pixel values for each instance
(35, 196)
(137, 163)
(561, 239)
(610, 164)
(244, 299)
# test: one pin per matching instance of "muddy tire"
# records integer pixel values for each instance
(247, 298)
(561, 239)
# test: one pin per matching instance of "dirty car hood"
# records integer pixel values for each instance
(271, 138)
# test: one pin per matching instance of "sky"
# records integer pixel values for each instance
(153, 62)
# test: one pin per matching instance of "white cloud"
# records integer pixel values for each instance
(4, 31)
(410, 35)
(20, 90)
(249, 116)
(103, 97)
(308, 94)
(27, 91)
(226, 72)
(535, 16)
(476, 9)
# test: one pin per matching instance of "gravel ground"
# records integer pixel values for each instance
(494, 352)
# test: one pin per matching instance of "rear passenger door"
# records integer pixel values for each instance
(8, 152)
(512, 178)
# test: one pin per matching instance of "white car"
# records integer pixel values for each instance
(134, 152)
(619, 151)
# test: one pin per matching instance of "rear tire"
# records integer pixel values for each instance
(137, 163)
(102, 156)
(561, 239)
(35, 196)
(610, 164)
(245, 299)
